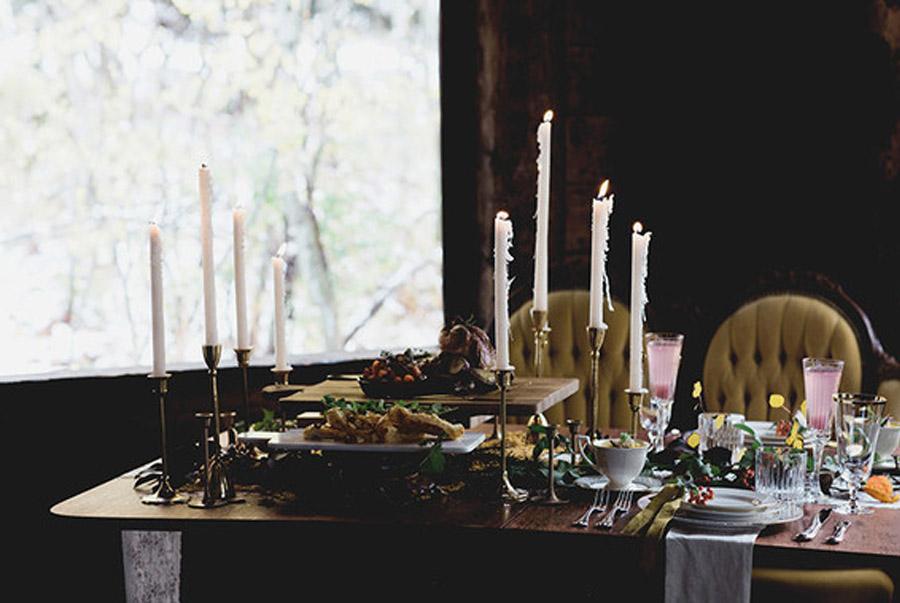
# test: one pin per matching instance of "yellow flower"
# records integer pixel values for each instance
(719, 421)
(739, 454)
(776, 400)
(698, 389)
(694, 440)
(803, 407)
(795, 439)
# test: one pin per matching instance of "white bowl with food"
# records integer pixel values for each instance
(620, 459)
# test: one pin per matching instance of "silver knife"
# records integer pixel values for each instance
(839, 531)
(818, 521)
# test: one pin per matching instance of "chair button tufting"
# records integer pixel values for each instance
(733, 359)
(757, 358)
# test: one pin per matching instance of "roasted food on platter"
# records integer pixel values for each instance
(377, 423)
(463, 366)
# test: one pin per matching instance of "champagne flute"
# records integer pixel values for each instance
(821, 379)
(663, 361)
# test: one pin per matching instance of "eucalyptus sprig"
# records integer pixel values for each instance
(382, 406)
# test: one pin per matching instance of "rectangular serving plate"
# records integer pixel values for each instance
(294, 440)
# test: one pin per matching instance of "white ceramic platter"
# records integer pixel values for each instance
(294, 440)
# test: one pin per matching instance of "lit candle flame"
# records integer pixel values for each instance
(280, 252)
(502, 215)
(604, 187)
(548, 116)
(638, 227)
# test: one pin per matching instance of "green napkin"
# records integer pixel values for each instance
(646, 517)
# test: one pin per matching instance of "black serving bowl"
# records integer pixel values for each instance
(399, 391)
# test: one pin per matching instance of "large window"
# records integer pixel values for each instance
(320, 117)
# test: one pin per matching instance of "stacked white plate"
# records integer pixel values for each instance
(733, 508)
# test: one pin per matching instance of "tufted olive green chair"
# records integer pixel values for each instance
(569, 356)
(890, 389)
(759, 349)
(821, 586)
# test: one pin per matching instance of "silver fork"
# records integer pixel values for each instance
(622, 504)
(601, 501)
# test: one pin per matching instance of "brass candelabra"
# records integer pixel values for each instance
(596, 337)
(165, 494)
(508, 492)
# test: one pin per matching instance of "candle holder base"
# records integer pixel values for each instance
(596, 337)
(165, 495)
(635, 400)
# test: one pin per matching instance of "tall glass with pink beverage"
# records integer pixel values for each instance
(821, 379)
(663, 362)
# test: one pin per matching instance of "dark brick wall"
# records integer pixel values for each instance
(749, 137)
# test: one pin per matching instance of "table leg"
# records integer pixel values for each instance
(152, 563)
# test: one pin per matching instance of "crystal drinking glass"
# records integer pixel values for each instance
(780, 473)
(821, 378)
(663, 360)
(857, 420)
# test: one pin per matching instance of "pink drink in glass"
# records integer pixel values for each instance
(821, 378)
(663, 360)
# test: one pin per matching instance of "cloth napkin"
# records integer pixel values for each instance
(708, 567)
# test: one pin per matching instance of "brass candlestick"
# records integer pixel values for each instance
(165, 494)
(573, 425)
(541, 328)
(211, 355)
(243, 360)
(635, 399)
(508, 493)
(282, 379)
(218, 488)
(550, 497)
(596, 337)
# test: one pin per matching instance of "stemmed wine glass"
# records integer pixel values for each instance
(857, 421)
(663, 361)
(821, 379)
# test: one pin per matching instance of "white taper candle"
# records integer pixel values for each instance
(602, 208)
(278, 267)
(502, 241)
(157, 316)
(640, 249)
(542, 215)
(207, 258)
(240, 280)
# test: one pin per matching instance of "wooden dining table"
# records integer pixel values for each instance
(525, 549)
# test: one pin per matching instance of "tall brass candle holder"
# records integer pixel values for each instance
(635, 400)
(243, 360)
(596, 337)
(508, 493)
(165, 494)
(218, 488)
